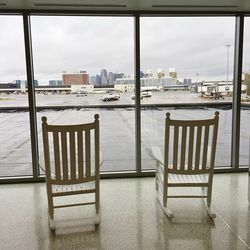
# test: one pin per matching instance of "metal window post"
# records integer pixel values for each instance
(31, 94)
(236, 106)
(137, 95)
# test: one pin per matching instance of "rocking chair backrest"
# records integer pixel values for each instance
(68, 153)
(193, 145)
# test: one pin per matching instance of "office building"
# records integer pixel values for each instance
(187, 82)
(247, 82)
(172, 73)
(55, 82)
(81, 78)
(110, 78)
(98, 80)
(93, 80)
(104, 77)
(26, 83)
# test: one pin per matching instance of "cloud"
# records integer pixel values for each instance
(191, 45)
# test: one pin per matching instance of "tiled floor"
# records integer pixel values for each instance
(131, 218)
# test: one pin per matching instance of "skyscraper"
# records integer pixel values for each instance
(117, 75)
(142, 75)
(149, 73)
(110, 78)
(172, 73)
(104, 78)
(97, 80)
(93, 80)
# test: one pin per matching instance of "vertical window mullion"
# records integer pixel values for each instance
(236, 105)
(31, 94)
(137, 96)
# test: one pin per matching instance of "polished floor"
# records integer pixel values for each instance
(131, 218)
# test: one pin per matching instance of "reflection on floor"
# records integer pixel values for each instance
(131, 218)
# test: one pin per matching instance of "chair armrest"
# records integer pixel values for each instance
(156, 151)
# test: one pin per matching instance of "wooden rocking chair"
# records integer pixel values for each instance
(191, 163)
(72, 163)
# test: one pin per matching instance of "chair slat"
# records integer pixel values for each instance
(205, 147)
(87, 152)
(214, 140)
(190, 147)
(80, 153)
(166, 144)
(175, 153)
(198, 147)
(64, 155)
(72, 155)
(46, 150)
(57, 155)
(97, 148)
(183, 146)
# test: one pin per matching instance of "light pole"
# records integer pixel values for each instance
(227, 45)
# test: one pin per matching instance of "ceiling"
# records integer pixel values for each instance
(128, 5)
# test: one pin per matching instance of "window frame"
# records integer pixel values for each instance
(236, 104)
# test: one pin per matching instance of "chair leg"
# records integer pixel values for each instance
(209, 196)
(97, 207)
(164, 198)
(208, 205)
(166, 210)
(51, 213)
(97, 203)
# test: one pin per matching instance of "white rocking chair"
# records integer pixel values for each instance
(72, 163)
(191, 163)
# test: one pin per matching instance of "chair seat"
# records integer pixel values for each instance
(53, 176)
(73, 188)
(183, 178)
(188, 179)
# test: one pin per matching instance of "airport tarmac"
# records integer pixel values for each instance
(117, 129)
(95, 99)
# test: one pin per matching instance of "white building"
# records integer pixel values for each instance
(154, 82)
(82, 89)
(124, 87)
(218, 86)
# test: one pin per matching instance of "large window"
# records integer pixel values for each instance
(15, 153)
(186, 61)
(83, 66)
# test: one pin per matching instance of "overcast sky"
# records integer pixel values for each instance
(190, 45)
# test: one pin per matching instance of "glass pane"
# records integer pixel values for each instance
(187, 70)
(84, 65)
(15, 154)
(245, 100)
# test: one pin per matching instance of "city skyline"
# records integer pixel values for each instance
(192, 45)
(112, 76)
